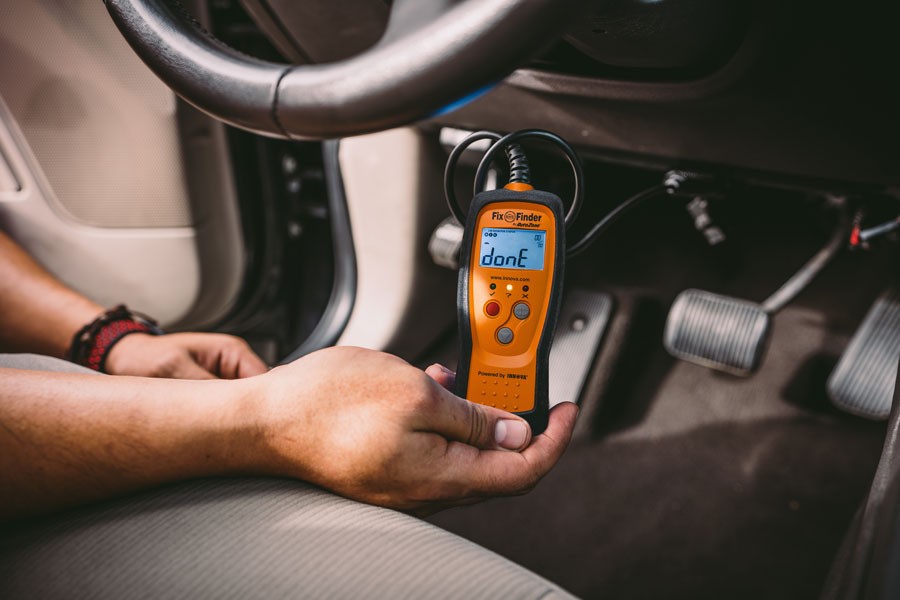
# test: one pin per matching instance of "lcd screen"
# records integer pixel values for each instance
(512, 248)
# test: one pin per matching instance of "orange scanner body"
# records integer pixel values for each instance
(509, 288)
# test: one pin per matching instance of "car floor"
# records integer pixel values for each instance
(685, 482)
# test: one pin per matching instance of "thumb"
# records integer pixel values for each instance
(481, 426)
(442, 375)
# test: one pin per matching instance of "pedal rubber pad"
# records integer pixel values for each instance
(862, 383)
(719, 332)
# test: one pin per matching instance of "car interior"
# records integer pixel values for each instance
(731, 334)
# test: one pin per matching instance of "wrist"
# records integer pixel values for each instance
(244, 448)
(122, 357)
(78, 312)
(93, 343)
(271, 417)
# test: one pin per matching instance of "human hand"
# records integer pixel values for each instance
(184, 356)
(373, 428)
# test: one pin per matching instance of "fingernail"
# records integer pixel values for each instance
(444, 369)
(510, 434)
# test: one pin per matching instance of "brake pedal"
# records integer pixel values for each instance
(731, 334)
(719, 332)
(862, 383)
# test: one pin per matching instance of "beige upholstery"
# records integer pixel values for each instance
(247, 538)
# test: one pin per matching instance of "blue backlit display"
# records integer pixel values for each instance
(512, 248)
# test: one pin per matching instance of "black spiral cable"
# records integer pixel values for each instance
(519, 169)
(519, 172)
(544, 136)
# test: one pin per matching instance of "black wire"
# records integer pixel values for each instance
(519, 171)
(450, 171)
(546, 136)
(612, 217)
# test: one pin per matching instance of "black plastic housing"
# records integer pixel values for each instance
(539, 416)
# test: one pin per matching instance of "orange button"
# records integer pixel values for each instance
(492, 308)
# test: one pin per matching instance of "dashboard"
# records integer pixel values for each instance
(793, 88)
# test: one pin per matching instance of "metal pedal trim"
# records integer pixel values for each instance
(582, 323)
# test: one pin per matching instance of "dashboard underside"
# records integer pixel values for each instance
(799, 89)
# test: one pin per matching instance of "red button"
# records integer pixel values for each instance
(492, 308)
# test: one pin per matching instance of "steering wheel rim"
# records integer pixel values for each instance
(434, 55)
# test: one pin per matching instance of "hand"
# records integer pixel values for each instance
(371, 427)
(184, 356)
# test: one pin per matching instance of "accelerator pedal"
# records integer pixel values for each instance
(862, 383)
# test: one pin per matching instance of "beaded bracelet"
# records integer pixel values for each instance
(93, 342)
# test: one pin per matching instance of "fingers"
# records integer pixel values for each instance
(484, 427)
(188, 369)
(490, 473)
(249, 364)
(226, 356)
(442, 375)
(550, 445)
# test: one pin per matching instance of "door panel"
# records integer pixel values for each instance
(154, 270)
(93, 139)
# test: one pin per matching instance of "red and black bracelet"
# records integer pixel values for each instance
(93, 342)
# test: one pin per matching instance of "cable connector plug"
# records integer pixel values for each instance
(690, 184)
(871, 233)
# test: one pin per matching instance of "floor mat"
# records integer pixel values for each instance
(722, 511)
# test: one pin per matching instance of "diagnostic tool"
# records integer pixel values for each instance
(511, 268)
(510, 283)
(511, 264)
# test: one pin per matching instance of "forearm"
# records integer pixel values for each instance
(67, 439)
(363, 424)
(37, 313)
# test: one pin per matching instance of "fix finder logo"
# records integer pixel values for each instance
(511, 216)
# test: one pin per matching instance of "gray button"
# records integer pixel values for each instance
(521, 310)
(504, 335)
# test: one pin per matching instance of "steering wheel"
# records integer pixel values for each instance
(434, 55)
